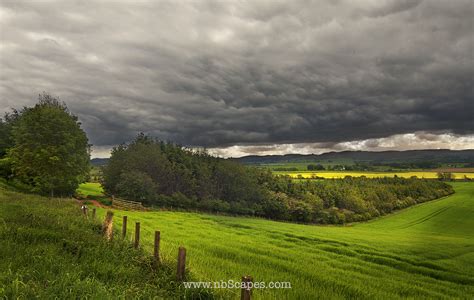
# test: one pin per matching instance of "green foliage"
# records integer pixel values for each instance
(312, 167)
(6, 166)
(50, 151)
(166, 175)
(6, 126)
(136, 185)
(445, 176)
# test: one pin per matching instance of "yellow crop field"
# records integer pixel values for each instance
(342, 174)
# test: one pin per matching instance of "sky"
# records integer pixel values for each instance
(249, 77)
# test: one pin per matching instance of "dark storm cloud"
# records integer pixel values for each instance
(217, 74)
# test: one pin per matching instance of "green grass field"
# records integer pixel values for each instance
(426, 251)
(48, 250)
(93, 189)
(342, 174)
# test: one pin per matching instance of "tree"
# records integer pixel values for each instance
(137, 185)
(317, 167)
(6, 126)
(446, 176)
(50, 151)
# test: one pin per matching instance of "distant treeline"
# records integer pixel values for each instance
(167, 175)
(373, 166)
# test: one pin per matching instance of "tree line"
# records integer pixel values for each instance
(167, 175)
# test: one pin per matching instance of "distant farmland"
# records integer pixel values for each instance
(342, 174)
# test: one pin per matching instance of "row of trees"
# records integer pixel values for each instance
(167, 175)
(374, 166)
(353, 198)
(43, 148)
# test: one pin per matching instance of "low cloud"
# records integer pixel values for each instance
(410, 141)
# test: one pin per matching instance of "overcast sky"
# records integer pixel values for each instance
(249, 77)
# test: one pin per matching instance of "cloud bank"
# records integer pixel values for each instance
(223, 74)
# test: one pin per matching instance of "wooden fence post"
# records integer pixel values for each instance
(137, 235)
(246, 291)
(93, 213)
(84, 210)
(181, 263)
(107, 227)
(156, 252)
(124, 227)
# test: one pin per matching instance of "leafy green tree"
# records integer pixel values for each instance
(137, 185)
(446, 176)
(51, 151)
(6, 126)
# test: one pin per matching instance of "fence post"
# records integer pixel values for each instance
(181, 263)
(156, 253)
(246, 291)
(107, 227)
(93, 213)
(124, 227)
(137, 235)
(84, 210)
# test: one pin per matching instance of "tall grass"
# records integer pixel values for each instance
(49, 251)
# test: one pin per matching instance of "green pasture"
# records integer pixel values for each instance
(426, 251)
(303, 165)
(93, 189)
(48, 250)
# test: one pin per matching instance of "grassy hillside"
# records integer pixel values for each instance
(93, 189)
(48, 250)
(423, 251)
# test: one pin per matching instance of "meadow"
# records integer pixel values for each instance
(425, 251)
(48, 250)
(92, 189)
(342, 174)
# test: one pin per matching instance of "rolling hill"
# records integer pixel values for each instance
(426, 251)
(440, 156)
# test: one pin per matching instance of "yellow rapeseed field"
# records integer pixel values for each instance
(342, 174)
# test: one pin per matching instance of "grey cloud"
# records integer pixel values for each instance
(217, 74)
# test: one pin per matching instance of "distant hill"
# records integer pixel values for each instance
(441, 156)
(99, 161)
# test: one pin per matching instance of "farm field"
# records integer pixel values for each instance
(426, 251)
(342, 174)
